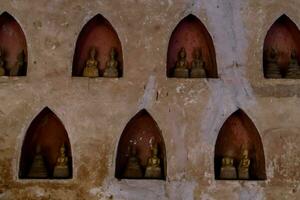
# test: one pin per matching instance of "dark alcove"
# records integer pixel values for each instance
(191, 34)
(13, 46)
(141, 131)
(239, 130)
(98, 33)
(284, 37)
(47, 131)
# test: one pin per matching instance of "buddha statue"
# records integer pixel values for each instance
(133, 168)
(293, 70)
(38, 168)
(228, 170)
(111, 70)
(243, 169)
(153, 168)
(272, 69)
(20, 66)
(91, 67)
(181, 68)
(2, 64)
(61, 169)
(198, 70)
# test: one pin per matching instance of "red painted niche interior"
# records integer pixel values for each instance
(191, 33)
(47, 131)
(284, 36)
(98, 33)
(12, 42)
(140, 130)
(239, 130)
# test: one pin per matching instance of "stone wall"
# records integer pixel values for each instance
(189, 112)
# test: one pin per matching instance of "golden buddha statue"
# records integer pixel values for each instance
(38, 168)
(228, 170)
(272, 69)
(153, 169)
(91, 67)
(293, 70)
(111, 70)
(198, 70)
(61, 169)
(133, 168)
(2, 64)
(20, 66)
(181, 68)
(243, 170)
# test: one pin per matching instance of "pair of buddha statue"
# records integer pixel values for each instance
(91, 68)
(273, 69)
(229, 171)
(197, 69)
(19, 68)
(135, 170)
(39, 169)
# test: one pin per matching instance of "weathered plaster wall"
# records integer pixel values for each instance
(190, 113)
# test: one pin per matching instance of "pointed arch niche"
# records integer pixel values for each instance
(191, 34)
(12, 44)
(47, 132)
(98, 33)
(283, 36)
(239, 130)
(140, 131)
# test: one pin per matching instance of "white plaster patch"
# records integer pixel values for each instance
(149, 94)
(252, 191)
(179, 190)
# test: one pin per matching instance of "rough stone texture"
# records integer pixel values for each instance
(190, 113)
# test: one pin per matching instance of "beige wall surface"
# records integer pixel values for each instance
(189, 112)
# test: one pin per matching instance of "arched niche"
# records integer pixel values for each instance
(237, 132)
(284, 36)
(98, 33)
(47, 131)
(12, 44)
(140, 131)
(191, 33)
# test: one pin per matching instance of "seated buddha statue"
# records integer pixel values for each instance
(228, 170)
(20, 67)
(2, 64)
(243, 169)
(181, 68)
(153, 168)
(111, 70)
(133, 168)
(293, 70)
(198, 70)
(272, 69)
(91, 67)
(38, 167)
(61, 169)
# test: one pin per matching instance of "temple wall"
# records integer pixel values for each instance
(189, 112)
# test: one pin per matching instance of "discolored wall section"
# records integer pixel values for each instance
(189, 113)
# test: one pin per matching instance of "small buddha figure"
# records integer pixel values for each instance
(272, 69)
(228, 170)
(2, 64)
(243, 170)
(181, 67)
(111, 70)
(153, 169)
(19, 68)
(198, 70)
(61, 169)
(133, 168)
(38, 168)
(293, 70)
(91, 67)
